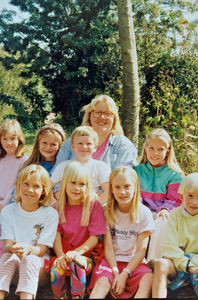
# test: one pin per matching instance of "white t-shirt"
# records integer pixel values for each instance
(37, 227)
(124, 233)
(100, 172)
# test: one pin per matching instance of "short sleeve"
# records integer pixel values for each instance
(104, 172)
(6, 226)
(147, 222)
(97, 223)
(48, 233)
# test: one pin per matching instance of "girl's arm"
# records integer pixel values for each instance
(90, 243)
(24, 249)
(60, 262)
(119, 282)
(109, 253)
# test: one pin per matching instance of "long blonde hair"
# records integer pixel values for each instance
(51, 130)
(13, 127)
(75, 171)
(162, 135)
(112, 203)
(44, 179)
(87, 109)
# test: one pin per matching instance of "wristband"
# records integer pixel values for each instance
(128, 271)
(115, 269)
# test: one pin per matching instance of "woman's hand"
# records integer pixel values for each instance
(60, 262)
(119, 283)
(164, 213)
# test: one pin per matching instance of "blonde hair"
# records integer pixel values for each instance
(13, 127)
(162, 135)
(87, 109)
(189, 184)
(85, 131)
(51, 130)
(75, 171)
(112, 203)
(44, 179)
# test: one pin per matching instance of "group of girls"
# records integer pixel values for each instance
(30, 225)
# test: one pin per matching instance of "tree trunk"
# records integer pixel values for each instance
(130, 94)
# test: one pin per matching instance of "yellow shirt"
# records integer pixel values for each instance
(181, 237)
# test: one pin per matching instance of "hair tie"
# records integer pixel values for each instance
(53, 127)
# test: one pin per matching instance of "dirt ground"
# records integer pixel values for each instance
(45, 292)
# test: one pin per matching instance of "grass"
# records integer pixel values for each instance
(29, 141)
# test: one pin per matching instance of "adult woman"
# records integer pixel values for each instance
(114, 148)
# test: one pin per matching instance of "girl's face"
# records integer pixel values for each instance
(75, 191)
(190, 201)
(156, 151)
(31, 191)
(102, 118)
(123, 190)
(10, 143)
(48, 147)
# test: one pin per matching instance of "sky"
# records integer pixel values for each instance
(20, 15)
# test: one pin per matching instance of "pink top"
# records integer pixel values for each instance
(100, 150)
(73, 232)
(9, 168)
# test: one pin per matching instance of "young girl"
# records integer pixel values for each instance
(160, 176)
(81, 222)
(180, 247)
(11, 157)
(28, 228)
(123, 271)
(46, 146)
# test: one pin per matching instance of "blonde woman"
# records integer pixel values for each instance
(113, 147)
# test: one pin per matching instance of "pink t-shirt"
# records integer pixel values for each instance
(9, 168)
(100, 150)
(73, 232)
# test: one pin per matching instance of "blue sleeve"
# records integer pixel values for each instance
(126, 153)
(65, 153)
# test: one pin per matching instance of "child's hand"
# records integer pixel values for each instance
(193, 270)
(164, 213)
(119, 283)
(60, 262)
(22, 249)
(71, 255)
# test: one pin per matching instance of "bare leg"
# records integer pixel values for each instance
(2, 295)
(144, 289)
(101, 288)
(163, 267)
(25, 296)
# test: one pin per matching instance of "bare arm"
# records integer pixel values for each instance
(104, 196)
(120, 281)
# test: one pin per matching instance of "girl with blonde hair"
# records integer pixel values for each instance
(160, 176)
(81, 222)
(28, 228)
(113, 147)
(124, 272)
(47, 143)
(12, 157)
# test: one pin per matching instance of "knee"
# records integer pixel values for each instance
(161, 266)
(103, 283)
(32, 261)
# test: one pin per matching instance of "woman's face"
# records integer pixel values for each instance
(102, 118)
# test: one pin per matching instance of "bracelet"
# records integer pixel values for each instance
(128, 271)
(115, 269)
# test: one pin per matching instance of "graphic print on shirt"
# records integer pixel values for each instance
(38, 228)
(123, 234)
